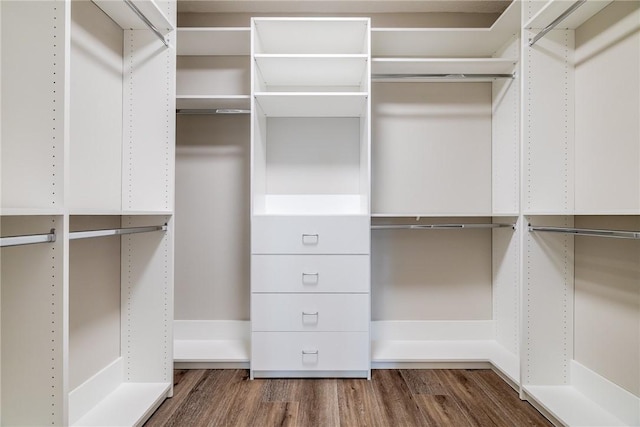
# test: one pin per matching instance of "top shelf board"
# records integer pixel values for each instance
(447, 42)
(410, 66)
(554, 8)
(127, 19)
(313, 35)
(230, 41)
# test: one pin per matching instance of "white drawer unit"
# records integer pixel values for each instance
(310, 312)
(310, 234)
(310, 273)
(310, 200)
(310, 351)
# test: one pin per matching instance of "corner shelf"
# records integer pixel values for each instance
(122, 14)
(554, 8)
(122, 406)
(456, 66)
(447, 42)
(227, 41)
(312, 104)
(566, 403)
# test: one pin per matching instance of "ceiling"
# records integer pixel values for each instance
(343, 6)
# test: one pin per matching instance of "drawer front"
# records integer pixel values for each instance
(310, 234)
(310, 273)
(310, 351)
(310, 312)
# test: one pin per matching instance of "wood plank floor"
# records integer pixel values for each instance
(395, 398)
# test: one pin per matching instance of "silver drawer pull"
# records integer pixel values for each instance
(310, 318)
(310, 278)
(310, 239)
(310, 357)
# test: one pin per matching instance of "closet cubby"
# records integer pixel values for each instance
(582, 145)
(88, 104)
(120, 313)
(429, 306)
(580, 189)
(213, 70)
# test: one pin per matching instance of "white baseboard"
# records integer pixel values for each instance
(189, 330)
(611, 397)
(432, 330)
(87, 395)
(213, 343)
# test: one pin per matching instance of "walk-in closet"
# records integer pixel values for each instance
(318, 189)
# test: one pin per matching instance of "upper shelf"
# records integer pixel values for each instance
(447, 42)
(127, 19)
(214, 41)
(313, 35)
(213, 102)
(554, 8)
(441, 66)
(312, 70)
(346, 104)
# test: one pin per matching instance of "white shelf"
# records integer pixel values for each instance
(30, 211)
(93, 212)
(435, 215)
(443, 66)
(224, 351)
(123, 407)
(572, 407)
(122, 14)
(313, 35)
(231, 41)
(213, 102)
(554, 8)
(447, 42)
(320, 204)
(334, 104)
(312, 70)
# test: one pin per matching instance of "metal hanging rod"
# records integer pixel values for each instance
(74, 235)
(556, 21)
(213, 111)
(618, 234)
(148, 23)
(438, 226)
(443, 76)
(28, 239)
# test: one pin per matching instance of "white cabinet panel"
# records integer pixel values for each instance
(310, 234)
(310, 312)
(310, 273)
(310, 351)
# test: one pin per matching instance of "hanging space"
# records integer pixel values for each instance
(120, 203)
(445, 197)
(581, 261)
(213, 146)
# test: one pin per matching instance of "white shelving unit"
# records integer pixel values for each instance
(310, 188)
(91, 120)
(580, 346)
